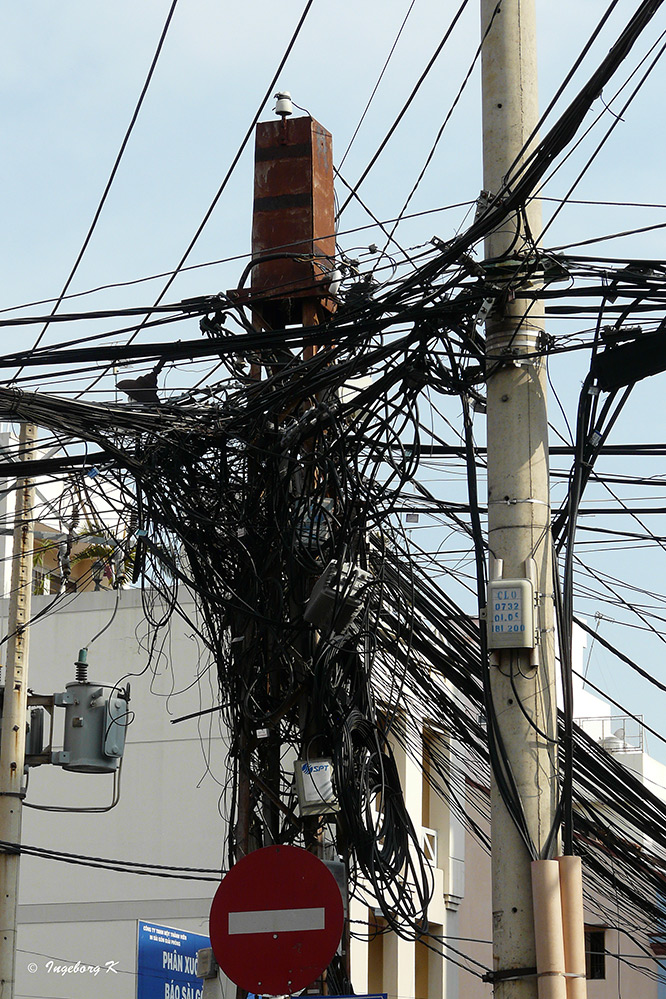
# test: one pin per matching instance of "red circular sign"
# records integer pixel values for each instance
(276, 920)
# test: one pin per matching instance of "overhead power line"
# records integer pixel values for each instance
(111, 179)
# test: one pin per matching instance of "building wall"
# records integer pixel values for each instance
(170, 812)
(623, 976)
(408, 969)
(171, 782)
(624, 960)
(476, 924)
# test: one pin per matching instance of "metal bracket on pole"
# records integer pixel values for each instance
(483, 203)
(531, 574)
(509, 975)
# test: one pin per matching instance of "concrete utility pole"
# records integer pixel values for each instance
(12, 744)
(518, 507)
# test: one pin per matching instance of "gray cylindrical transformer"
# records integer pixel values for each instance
(87, 724)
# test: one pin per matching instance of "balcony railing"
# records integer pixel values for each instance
(616, 733)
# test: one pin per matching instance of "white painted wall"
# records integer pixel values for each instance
(172, 779)
(169, 811)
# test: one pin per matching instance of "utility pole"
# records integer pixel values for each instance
(290, 275)
(12, 743)
(518, 510)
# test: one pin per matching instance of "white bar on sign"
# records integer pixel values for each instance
(276, 921)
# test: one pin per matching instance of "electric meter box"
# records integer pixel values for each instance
(510, 614)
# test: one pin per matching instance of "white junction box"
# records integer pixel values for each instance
(314, 787)
(510, 614)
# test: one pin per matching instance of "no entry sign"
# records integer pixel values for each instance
(276, 920)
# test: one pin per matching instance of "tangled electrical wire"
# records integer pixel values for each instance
(273, 491)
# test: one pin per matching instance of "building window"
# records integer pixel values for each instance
(43, 582)
(595, 952)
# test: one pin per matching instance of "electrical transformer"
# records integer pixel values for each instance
(95, 727)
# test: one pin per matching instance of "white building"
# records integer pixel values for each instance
(172, 782)
(170, 812)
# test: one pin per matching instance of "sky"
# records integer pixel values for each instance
(70, 76)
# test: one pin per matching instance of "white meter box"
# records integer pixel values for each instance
(314, 787)
(510, 614)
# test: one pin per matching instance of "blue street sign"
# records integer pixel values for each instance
(166, 960)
